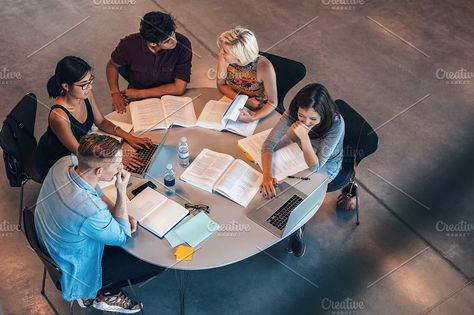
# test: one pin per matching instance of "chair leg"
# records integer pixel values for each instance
(43, 293)
(23, 183)
(357, 209)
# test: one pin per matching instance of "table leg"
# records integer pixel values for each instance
(181, 280)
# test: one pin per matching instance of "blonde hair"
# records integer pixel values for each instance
(242, 44)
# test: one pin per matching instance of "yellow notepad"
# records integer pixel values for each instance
(184, 252)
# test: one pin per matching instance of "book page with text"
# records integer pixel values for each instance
(211, 115)
(252, 145)
(144, 203)
(164, 217)
(206, 169)
(287, 161)
(147, 115)
(239, 183)
(179, 110)
(242, 128)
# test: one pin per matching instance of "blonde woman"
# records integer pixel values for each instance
(241, 70)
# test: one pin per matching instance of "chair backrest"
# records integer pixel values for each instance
(288, 74)
(30, 232)
(360, 139)
(18, 142)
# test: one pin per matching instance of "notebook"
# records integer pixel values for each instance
(197, 229)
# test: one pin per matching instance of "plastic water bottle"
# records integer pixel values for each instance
(169, 180)
(183, 152)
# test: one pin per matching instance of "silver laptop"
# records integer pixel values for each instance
(282, 214)
(147, 156)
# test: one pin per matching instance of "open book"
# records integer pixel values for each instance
(155, 212)
(222, 115)
(287, 160)
(160, 113)
(220, 172)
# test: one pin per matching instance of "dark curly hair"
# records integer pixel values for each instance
(157, 26)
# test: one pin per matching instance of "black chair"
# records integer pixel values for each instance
(49, 265)
(18, 140)
(288, 74)
(360, 140)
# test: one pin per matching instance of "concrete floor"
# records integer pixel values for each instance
(386, 58)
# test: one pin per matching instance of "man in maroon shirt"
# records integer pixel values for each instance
(155, 62)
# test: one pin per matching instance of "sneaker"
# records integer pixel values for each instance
(119, 303)
(297, 246)
(85, 303)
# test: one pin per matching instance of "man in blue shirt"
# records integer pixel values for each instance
(74, 222)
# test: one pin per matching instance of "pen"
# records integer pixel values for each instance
(299, 177)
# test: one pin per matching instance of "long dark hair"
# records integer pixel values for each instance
(317, 97)
(70, 69)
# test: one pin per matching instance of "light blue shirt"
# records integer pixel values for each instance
(73, 224)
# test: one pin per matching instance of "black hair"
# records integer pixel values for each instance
(316, 97)
(69, 70)
(157, 26)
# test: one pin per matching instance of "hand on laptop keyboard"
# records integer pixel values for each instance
(131, 160)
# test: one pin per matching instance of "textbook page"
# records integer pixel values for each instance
(211, 115)
(145, 202)
(179, 110)
(242, 128)
(164, 217)
(206, 169)
(239, 183)
(147, 115)
(287, 161)
(252, 146)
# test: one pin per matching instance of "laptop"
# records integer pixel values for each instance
(282, 214)
(147, 156)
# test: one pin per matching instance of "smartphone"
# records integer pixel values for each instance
(140, 188)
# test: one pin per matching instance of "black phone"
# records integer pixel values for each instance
(140, 188)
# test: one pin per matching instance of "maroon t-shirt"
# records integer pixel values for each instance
(146, 69)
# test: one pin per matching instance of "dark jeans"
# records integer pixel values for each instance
(118, 267)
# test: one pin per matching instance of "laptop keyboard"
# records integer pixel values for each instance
(280, 217)
(144, 155)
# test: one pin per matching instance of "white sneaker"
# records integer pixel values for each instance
(119, 303)
(84, 303)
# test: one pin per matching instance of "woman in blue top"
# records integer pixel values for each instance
(73, 114)
(313, 122)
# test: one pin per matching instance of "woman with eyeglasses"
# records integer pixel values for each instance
(72, 115)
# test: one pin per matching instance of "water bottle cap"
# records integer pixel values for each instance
(169, 166)
(184, 139)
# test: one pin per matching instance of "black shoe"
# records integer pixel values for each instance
(296, 244)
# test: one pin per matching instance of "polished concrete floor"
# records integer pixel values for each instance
(407, 66)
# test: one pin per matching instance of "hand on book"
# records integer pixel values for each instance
(246, 115)
(119, 103)
(267, 188)
(253, 102)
